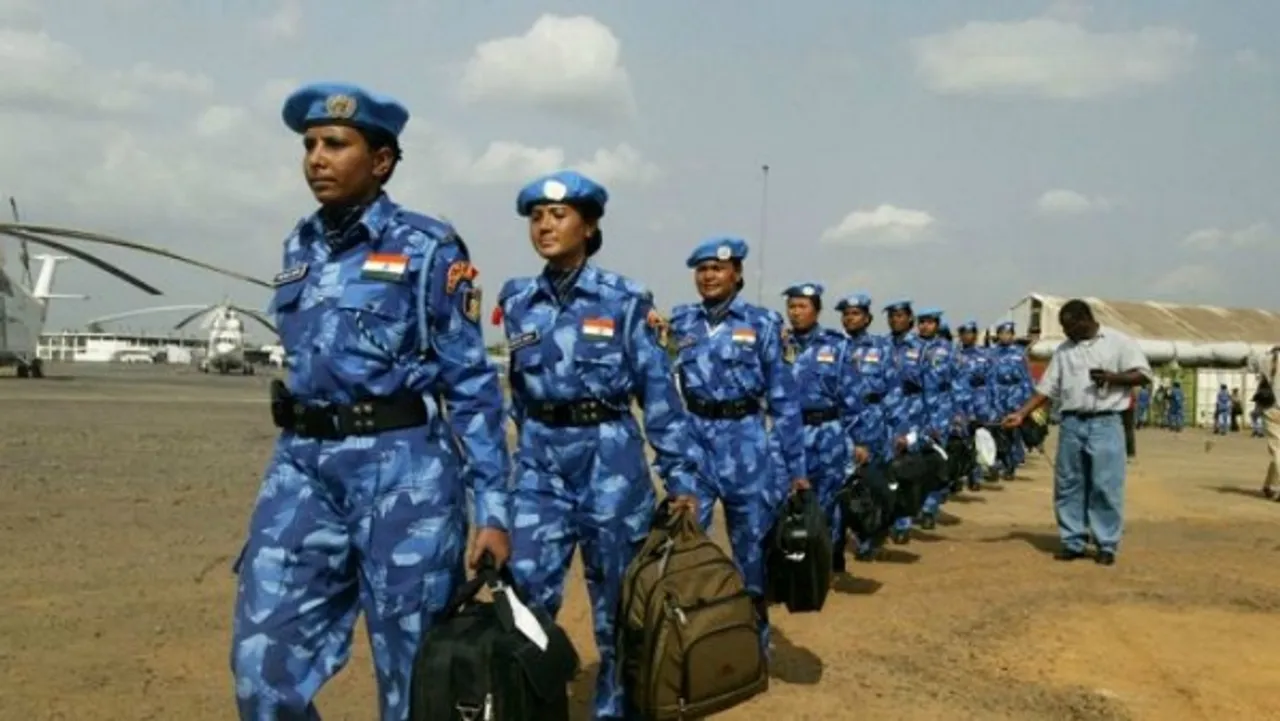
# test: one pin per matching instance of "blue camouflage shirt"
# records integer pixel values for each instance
(390, 307)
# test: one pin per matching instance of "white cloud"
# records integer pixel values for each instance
(620, 164)
(1251, 60)
(568, 65)
(1251, 236)
(1188, 281)
(884, 226)
(1049, 58)
(42, 75)
(284, 23)
(508, 162)
(1069, 202)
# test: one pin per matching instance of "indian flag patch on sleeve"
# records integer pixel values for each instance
(744, 335)
(826, 355)
(597, 327)
(385, 266)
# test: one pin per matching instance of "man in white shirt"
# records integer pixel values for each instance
(1090, 376)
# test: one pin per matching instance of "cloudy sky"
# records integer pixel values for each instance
(959, 153)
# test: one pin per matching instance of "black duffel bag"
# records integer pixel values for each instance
(960, 461)
(914, 475)
(866, 504)
(476, 664)
(799, 557)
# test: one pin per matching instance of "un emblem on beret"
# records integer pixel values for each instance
(340, 106)
(724, 252)
(554, 190)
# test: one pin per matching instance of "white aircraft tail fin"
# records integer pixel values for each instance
(44, 280)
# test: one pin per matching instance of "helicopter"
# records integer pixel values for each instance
(24, 302)
(226, 350)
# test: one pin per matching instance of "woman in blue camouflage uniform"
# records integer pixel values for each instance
(730, 367)
(833, 398)
(584, 343)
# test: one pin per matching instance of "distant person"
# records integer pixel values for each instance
(1237, 410)
(1144, 407)
(1177, 408)
(1222, 411)
(1267, 366)
(1091, 375)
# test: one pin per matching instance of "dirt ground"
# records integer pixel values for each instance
(126, 491)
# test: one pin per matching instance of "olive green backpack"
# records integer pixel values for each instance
(688, 644)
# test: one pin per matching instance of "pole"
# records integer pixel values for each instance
(764, 231)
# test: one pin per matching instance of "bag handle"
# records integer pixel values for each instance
(488, 575)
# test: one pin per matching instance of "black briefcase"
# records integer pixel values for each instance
(800, 555)
(476, 665)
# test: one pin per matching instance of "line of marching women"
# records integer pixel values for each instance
(393, 424)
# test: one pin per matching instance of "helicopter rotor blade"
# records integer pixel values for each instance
(258, 316)
(70, 233)
(186, 321)
(24, 252)
(86, 257)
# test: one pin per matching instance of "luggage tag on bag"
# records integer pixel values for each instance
(526, 623)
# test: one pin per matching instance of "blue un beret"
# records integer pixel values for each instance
(969, 326)
(1006, 325)
(803, 290)
(930, 312)
(901, 304)
(854, 300)
(724, 248)
(343, 104)
(571, 188)
(565, 186)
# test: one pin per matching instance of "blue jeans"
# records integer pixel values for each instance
(1088, 482)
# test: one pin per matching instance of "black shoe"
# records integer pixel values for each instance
(1268, 492)
(928, 522)
(838, 563)
(1106, 558)
(975, 486)
(900, 537)
(1068, 554)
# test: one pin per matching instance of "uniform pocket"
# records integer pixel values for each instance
(378, 313)
(601, 367)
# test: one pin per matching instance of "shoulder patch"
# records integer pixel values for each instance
(471, 304)
(458, 272)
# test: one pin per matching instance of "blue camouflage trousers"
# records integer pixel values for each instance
(374, 524)
(590, 488)
(829, 456)
(741, 477)
(1088, 483)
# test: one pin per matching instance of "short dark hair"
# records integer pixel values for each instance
(1075, 310)
(379, 139)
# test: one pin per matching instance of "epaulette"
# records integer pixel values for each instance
(438, 229)
(625, 285)
(511, 287)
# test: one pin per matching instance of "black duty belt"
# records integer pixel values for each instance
(1086, 415)
(363, 418)
(818, 416)
(576, 414)
(722, 410)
